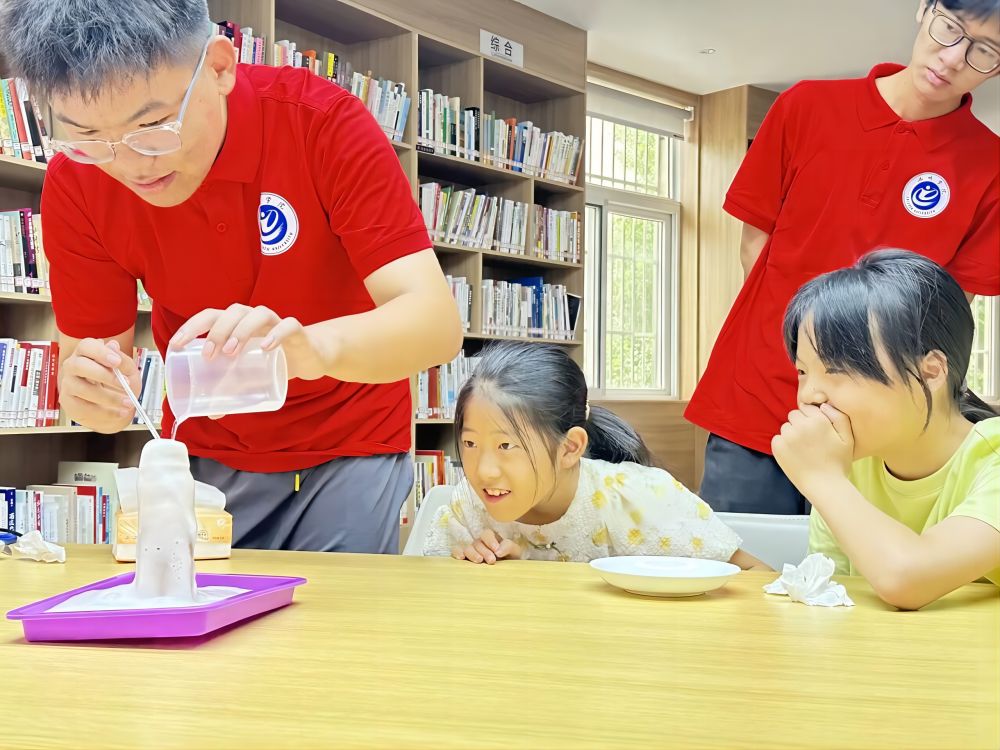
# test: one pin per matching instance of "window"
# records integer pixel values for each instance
(632, 230)
(625, 157)
(984, 367)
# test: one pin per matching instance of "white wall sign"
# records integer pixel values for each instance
(501, 48)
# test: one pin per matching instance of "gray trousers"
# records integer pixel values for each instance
(344, 505)
(742, 480)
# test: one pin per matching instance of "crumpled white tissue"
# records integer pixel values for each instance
(127, 480)
(32, 547)
(809, 583)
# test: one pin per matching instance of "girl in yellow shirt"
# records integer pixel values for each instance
(900, 461)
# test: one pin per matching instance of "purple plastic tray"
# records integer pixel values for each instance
(264, 594)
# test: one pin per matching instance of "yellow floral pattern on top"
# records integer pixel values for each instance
(618, 509)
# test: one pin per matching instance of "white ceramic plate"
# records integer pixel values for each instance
(664, 576)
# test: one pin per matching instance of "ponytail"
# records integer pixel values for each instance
(974, 408)
(613, 439)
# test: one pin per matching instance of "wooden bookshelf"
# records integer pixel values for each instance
(21, 174)
(426, 44)
(62, 430)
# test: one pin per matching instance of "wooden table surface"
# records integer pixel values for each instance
(394, 652)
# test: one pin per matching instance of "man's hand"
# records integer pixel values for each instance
(89, 392)
(228, 331)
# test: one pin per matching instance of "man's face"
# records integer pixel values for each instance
(942, 73)
(170, 179)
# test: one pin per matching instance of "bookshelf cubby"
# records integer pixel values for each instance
(430, 44)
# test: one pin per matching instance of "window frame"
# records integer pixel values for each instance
(611, 200)
(991, 396)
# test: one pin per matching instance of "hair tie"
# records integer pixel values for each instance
(586, 412)
(963, 389)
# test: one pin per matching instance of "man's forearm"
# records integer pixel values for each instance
(752, 241)
(408, 334)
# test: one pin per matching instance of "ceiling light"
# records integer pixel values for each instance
(707, 51)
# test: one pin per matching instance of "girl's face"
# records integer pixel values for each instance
(883, 417)
(499, 467)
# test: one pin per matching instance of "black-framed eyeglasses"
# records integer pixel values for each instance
(948, 32)
(156, 140)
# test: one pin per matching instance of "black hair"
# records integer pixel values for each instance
(539, 388)
(977, 9)
(901, 300)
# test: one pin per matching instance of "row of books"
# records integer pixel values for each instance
(557, 235)
(431, 469)
(443, 127)
(23, 264)
(438, 387)
(523, 147)
(150, 366)
(386, 100)
(29, 376)
(77, 510)
(22, 128)
(471, 219)
(249, 48)
(529, 308)
(331, 66)
(461, 290)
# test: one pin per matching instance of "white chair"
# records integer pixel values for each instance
(438, 496)
(775, 540)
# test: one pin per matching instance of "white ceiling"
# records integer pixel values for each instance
(771, 43)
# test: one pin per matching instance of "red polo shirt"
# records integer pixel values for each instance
(832, 174)
(305, 200)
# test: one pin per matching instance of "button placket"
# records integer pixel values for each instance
(878, 177)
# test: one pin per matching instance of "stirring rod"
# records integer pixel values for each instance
(135, 402)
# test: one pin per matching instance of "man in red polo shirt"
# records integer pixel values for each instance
(837, 169)
(251, 201)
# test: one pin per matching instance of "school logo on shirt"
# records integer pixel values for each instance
(279, 226)
(926, 195)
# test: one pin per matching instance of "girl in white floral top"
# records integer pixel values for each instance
(548, 477)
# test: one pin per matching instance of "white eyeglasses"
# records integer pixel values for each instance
(156, 140)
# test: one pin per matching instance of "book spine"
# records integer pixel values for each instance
(15, 140)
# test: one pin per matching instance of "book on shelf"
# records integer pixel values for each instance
(249, 48)
(461, 290)
(527, 308)
(445, 127)
(438, 387)
(65, 513)
(150, 366)
(24, 266)
(102, 475)
(557, 235)
(29, 375)
(471, 219)
(432, 469)
(387, 100)
(523, 147)
(23, 134)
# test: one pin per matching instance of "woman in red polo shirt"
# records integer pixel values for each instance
(251, 201)
(837, 169)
